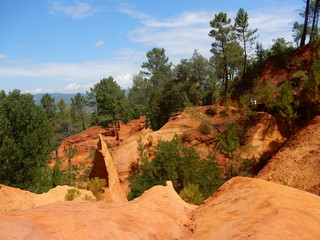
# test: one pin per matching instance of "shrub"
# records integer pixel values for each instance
(72, 194)
(96, 186)
(204, 128)
(87, 197)
(177, 163)
(191, 194)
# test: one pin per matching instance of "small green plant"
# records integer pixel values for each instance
(96, 186)
(72, 194)
(191, 194)
(204, 128)
(87, 197)
(91, 153)
(108, 144)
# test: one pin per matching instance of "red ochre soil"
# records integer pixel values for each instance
(243, 208)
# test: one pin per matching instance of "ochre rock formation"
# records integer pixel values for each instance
(253, 209)
(243, 208)
(264, 136)
(158, 214)
(297, 163)
(15, 198)
(103, 167)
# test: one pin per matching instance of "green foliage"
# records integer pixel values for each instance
(59, 175)
(227, 51)
(48, 104)
(285, 106)
(24, 136)
(109, 100)
(78, 104)
(181, 165)
(191, 194)
(96, 186)
(246, 35)
(230, 143)
(264, 92)
(87, 197)
(311, 91)
(204, 128)
(230, 140)
(72, 194)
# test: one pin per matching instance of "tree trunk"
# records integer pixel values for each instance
(305, 26)
(82, 121)
(314, 21)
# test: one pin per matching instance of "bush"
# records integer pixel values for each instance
(87, 197)
(191, 194)
(177, 163)
(72, 194)
(96, 186)
(204, 128)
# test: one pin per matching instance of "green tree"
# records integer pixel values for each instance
(62, 109)
(78, 104)
(139, 96)
(315, 19)
(280, 46)
(70, 152)
(2, 94)
(191, 193)
(230, 143)
(157, 70)
(48, 104)
(285, 106)
(223, 33)
(157, 67)
(305, 25)
(181, 165)
(109, 100)
(24, 134)
(246, 35)
(309, 26)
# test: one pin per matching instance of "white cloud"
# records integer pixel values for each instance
(2, 56)
(79, 10)
(79, 76)
(99, 43)
(178, 35)
(273, 23)
(181, 34)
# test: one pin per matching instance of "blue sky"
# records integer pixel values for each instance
(69, 45)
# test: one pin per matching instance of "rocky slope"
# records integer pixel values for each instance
(15, 198)
(298, 162)
(254, 209)
(279, 68)
(263, 134)
(158, 214)
(243, 208)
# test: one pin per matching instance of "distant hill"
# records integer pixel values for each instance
(56, 96)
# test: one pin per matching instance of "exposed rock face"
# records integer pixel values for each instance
(265, 136)
(254, 209)
(243, 208)
(103, 167)
(158, 214)
(15, 198)
(277, 70)
(298, 162)
(122, 138)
